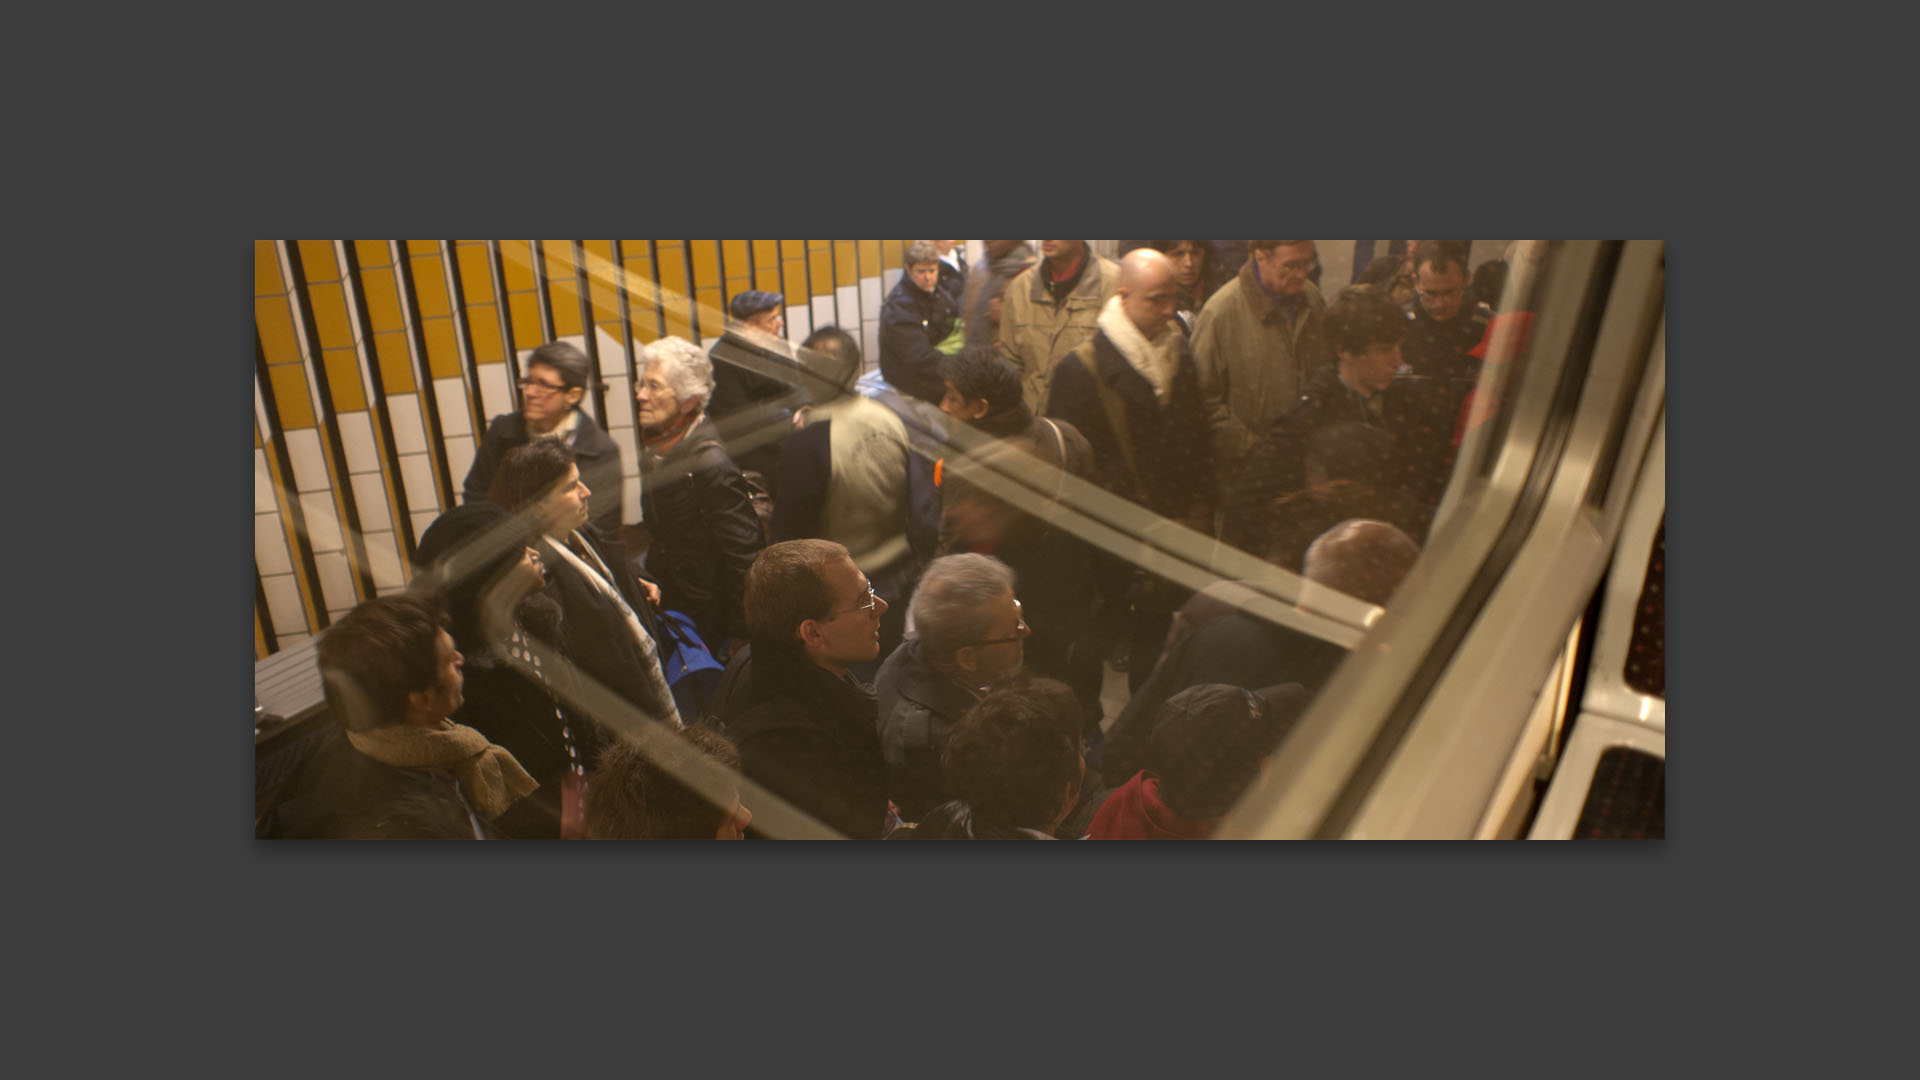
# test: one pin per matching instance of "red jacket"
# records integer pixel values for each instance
(1134, 812)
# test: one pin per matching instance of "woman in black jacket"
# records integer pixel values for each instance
(481, 563)
(696, 506)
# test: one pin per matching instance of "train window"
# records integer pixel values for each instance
(1203, 466)
(1646, 669)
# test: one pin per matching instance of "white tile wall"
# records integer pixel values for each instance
(263, 501)
(416, 477)
(889, 278)
(451, 396)
(496, 395)
(630, 498)
(309, 460)
(848, 298)
(383, 560)
(283, 605)
(871, 294)
(629, 452)
(460, 452)
(409, 432)
(422, 519)
(613, 355)
(272, 555)
(799, 323)
(270, 545)
(323, 525)
(356, 439)
(823, 311)
(287, 641)
(336, 581)
(370, 499)
(870, 345)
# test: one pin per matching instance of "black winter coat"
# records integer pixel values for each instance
(1438, 351)
(593, 449)
(594, 633)
(705, 534)
(1235, 649)
(1412, 410)
(806, 736)
(342, 794)
(1171, 446)
(516, 711)
(912, 322)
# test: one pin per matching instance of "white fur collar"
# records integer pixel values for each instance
(1156, 360)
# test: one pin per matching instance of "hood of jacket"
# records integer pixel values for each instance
(1135, 812)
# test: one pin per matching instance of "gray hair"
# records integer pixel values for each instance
(686, 368)
(950, 607)
(920, 253)
(1362, 558)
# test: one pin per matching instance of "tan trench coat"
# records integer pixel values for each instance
(1035, 333)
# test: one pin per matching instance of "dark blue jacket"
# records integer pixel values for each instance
(912, 322)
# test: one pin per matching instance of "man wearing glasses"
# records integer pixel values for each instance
(1255, 343)
(805, 727)
(1443, 323)
(550, 395)
(969, 636)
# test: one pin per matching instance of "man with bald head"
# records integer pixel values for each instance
(1133, 391)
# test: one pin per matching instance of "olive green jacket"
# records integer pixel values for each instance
(1252, 363)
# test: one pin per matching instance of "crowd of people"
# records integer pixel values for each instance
(869, 607)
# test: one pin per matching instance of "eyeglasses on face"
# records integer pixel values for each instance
(873, 601)
(537, 386)
(1020, 630)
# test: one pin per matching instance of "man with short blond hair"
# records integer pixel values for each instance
(805, 727)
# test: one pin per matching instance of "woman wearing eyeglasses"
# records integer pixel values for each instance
(550, 394)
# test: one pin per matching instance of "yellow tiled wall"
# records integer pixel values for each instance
(378, 364)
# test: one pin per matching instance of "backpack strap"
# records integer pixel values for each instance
(1116, 411)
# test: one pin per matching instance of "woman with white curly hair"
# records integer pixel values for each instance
(695, 505)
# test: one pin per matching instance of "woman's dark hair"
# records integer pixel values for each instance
(497, 540)
(528, 473)
(1015, 754)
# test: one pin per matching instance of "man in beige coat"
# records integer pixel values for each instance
(1255, 342)
(1050, 309)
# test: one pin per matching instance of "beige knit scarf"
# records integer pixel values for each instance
(488, 774)
(1156, 360)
